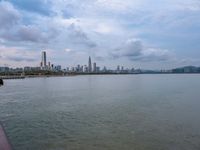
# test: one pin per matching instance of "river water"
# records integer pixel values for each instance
(103, 112)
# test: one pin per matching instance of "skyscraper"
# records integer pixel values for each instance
(94, 67)
(89, 65)
(118, 68)
(85, 69)
(49, 65)
(44, 59)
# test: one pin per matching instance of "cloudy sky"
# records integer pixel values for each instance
(135, 33)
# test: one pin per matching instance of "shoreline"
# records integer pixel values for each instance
(78, 74)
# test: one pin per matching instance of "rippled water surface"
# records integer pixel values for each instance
(121, 112)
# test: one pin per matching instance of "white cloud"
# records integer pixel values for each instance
(68, 50)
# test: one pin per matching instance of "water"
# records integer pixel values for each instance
(123, 112)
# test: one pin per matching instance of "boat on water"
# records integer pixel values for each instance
(1, 82)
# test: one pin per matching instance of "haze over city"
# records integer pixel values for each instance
(141, 33)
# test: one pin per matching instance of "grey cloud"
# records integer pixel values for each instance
(99, 58)
(33, 34)
(12, 28)
(131, 49)
(134, 50)
(29, 33)
(19, 59)
(77, 36)
(9, 16)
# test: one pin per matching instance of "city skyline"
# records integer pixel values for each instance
(91, 67)
(135, 34)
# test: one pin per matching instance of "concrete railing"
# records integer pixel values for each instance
(4, 143)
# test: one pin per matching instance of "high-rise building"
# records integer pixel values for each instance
(94, 67)
(52, 66)
(44, 59)
(97, 69)
(89, 65)
(85, 69)
(104, 69)
(118, 68)
(122, 68)
(78, 68)
(40, 64)
(49, 65)
(81, 69)
(58, 68)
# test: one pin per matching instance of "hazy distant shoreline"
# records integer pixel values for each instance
(77, 74)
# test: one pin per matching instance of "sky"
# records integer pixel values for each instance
(149, 34)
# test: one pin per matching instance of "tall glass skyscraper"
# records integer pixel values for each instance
(44, 59)
(89, 65)
(94, 67)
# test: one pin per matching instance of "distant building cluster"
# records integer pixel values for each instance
(44, 66)
(49, 66)
(90, 68)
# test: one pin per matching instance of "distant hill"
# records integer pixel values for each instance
(186, 69)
